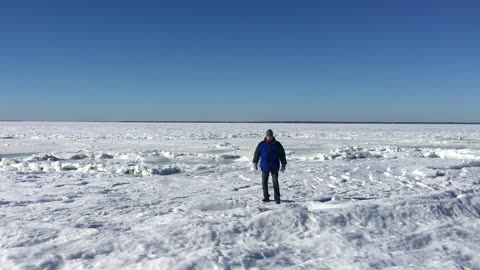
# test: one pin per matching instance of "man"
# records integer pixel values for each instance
(270, 152)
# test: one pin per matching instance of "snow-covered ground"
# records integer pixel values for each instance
(182, 196)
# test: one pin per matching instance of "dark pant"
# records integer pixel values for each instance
(276, 187)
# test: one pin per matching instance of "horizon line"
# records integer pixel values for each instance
(253, 122)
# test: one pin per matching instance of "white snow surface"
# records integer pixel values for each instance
(182, 196)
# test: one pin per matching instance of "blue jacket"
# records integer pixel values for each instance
(270, 155)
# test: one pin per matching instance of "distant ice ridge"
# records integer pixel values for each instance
(451, 153)
(389, 152)
(125, 163)
(354, 152)
(158, 162)
(141, 164)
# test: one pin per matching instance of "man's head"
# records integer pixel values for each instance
(269, 135)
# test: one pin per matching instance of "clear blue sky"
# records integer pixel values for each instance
(327, 60)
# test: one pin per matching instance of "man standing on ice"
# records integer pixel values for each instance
(270, 152)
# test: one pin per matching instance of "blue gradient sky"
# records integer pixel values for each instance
(240, 60)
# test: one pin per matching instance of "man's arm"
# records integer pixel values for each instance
(256, 155)
(281, 154)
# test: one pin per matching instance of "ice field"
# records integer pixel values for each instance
(182, 196)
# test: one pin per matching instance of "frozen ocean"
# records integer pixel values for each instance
(183, 196)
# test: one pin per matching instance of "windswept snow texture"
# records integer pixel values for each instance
(182, 196)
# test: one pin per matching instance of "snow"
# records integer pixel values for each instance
(182, 196)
